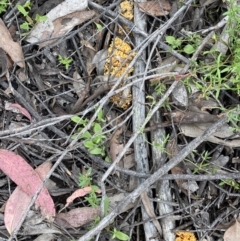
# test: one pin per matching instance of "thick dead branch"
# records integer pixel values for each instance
(163, 187)
(151, 229)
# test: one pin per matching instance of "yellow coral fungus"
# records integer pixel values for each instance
(120, 55)
(185, 236)
(126, 9)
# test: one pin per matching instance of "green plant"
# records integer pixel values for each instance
(65, 61)
(202, 166)
(93, 139)
(173, 42)
(3, 5)
(231, 183)
(85, 180)
(161, 145)
(222, 72)
(234, 118)
(106, 208)
(93, 200)
(99, 26)
(29, 23)
(205, 166)
(188, 45)
(160, 89)
(119, 235)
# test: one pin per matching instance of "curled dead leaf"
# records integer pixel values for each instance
(77, 217)
(187, 187)
(65, 24)
(27, 179)
(79, 193)
(45, 29)
(155, 8)
(180, 95)
(196, 129)
(16, 108)
(19, 201)
(79, 85)
(12, 48)
(233, 232)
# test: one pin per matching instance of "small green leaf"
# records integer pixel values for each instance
(73, 137)
(107, 159)
(97, 128)
(97, 220)
(97, 151)
(78, 120)
(189, 49)
(221, 183)
(89, 171)
(40, 18)
(25, 26)
(22, 10)
(27, 5)
(120, 235)
(98, 139)
(170, 39)
(86, 135)
(94, 188)
(89, 144)
(173, 42)
(99, 26)
(65, 61)
(100, 116)
(3, 6)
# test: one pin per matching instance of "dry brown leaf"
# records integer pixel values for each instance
(155, 8)
(150, 211)
(65, 24)
(115, 146)
(89, 52)
(172, 148)
(180, 95)
(129, 160)
(187, 187)
(99, 61)
(45, 237)
(232, 233)
(114, 200)
(12, 48)
(19, 201)
(196, 129)
(16, 108)
(43, 30)
(79, 193)
(193, 117)
(79, 85)
(77, 217)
